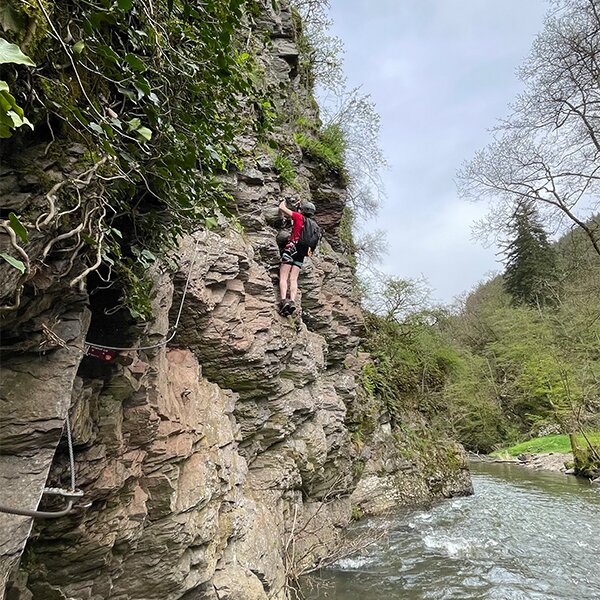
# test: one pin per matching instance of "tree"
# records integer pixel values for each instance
(395, 299)
(472, 410)
(321, 52)
(547, 151)
(530, 275)
(354, 113)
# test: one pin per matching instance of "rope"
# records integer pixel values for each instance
(176, 324)
(71, 455)
(40, 514)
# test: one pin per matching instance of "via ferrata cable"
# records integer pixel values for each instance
(70, 495)
(175, 325)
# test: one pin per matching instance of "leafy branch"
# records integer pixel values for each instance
(157, 93)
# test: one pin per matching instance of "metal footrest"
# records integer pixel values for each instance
(49, 491)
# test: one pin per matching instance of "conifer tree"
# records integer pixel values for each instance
(530, 276)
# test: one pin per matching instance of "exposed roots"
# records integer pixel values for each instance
(15, 305)
(62, 236)
(44, 219)
(99, 248)
(72, 259)
(15, 244)
(82, 180)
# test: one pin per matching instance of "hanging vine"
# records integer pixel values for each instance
(157, 91)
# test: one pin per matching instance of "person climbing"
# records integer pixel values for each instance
(302, 242)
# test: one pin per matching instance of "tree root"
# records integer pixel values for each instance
(15, 245)
(12, 307)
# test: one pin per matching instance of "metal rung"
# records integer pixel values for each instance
(61, 492)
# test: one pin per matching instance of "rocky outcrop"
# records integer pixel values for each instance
(213, 466)
(395, 475)
(35, 394)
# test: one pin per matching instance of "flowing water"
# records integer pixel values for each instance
(523, 535)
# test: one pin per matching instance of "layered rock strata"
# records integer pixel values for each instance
(218, 465)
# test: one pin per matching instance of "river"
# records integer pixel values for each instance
(523, 535)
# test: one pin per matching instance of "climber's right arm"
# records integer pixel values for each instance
(284, 208)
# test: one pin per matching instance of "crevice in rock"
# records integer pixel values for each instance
(111, 323)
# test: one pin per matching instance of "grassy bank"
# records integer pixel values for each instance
(548, 443)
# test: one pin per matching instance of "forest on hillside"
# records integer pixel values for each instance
(505, 363)
(518, 356)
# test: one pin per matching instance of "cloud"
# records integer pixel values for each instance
(438, 245)
(441, 72)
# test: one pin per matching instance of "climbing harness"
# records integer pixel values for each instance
(95, 349)
(69, 495)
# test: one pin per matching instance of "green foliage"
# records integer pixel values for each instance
(411, 363)
(327, 149)
(21, 232)
(529, 367)
(285, 170)
(470, 410)
(586, 455)
(307, 124)
(530, 275)
(492, 373)
(12, 115)
(137, 289)
(18, 227)
(266, 116)
(535, 378)
(13, 262)
(357, 513)
(11, 53)
(159, 93)
(547, 443)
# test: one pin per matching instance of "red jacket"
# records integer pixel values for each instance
(298, 220)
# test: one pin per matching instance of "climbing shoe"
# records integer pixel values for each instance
(289, 308)
(283, 303)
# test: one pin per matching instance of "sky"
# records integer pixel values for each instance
(441, 73)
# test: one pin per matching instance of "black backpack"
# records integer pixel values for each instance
(311, 234)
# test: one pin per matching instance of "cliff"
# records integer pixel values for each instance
(221, 463)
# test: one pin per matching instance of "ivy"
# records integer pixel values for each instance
(13, 262)
(159, 92)
(11, 53)
(12, 115)
(18, 227)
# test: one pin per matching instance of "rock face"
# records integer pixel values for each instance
(35, 394)
(222, 464)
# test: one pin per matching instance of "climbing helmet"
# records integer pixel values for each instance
(307, 208)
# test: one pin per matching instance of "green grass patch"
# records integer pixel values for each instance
(328, 148)
(285, 170)
(548, 443)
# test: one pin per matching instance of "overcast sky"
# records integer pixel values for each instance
(441, 72)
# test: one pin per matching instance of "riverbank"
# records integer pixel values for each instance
(547, 453)
(547, 461)
(556, 462)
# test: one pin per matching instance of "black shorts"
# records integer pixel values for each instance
(294, 254)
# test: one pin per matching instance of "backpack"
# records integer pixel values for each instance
(310, 234)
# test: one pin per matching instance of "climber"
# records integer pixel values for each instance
(302, 242)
